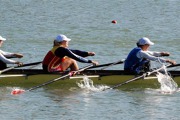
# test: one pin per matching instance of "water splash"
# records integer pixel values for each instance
(168, 85)
(87, 84)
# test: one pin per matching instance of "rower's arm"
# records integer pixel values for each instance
(62, 52)
(80, 53)
(143, 54)
(6, 60)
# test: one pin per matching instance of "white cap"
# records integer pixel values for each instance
(144, 41)
(61, 38)
(3, 39)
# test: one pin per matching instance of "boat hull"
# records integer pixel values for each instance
(30, 78)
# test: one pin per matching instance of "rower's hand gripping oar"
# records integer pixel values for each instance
(19, 91)
(24, 65)
(137, 78)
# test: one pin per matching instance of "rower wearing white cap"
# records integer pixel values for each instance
(60, 57)
(4, 56)
(138, 60)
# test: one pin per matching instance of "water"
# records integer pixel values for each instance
(168, 85)
(78, 104)
(31, 25)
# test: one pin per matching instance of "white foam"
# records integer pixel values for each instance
(168, 85)
(87, 84)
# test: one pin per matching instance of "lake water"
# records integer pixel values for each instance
(31, 25)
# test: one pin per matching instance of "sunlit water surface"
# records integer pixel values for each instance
(31, 25)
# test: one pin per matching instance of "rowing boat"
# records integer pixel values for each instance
(32, 77)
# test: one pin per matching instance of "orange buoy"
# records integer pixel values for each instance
(17, 91)
(114, 22)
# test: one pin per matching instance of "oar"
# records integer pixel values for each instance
(30, 64)
(173, 65)
(108, 64)
(118, 62)
(19, 91)
(10, 68)
(136, 78)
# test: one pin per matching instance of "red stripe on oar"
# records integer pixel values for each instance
(17, 91)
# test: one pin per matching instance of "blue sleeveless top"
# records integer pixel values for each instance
(132, 59)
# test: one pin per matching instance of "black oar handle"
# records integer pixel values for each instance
(173, 66)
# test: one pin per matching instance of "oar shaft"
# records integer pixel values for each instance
(7, 69)
(30, 64)
(128, 81)
(59, 78)
(10, 68)
(48, 82)
(173, 66)
(119, 62)
(137, 78)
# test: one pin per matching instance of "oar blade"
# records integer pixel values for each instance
(17, 91)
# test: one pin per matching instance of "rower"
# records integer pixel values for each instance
(4, 57)
(138, 60)
(60, 57)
